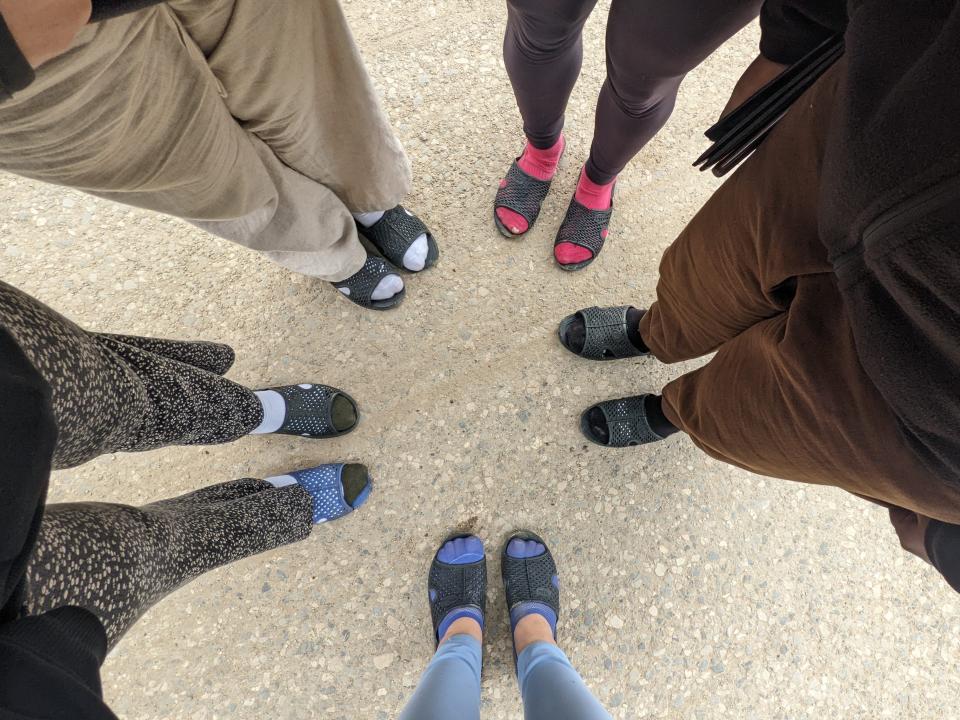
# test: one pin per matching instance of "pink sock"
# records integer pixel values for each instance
(592, 197)
(540, 164)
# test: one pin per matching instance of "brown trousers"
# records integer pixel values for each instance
(785, 395)
(254, 120)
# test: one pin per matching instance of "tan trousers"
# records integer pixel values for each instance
(785, 395)
(254, 120)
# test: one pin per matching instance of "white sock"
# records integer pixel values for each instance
(388, 286)
(369, 218)
(415, 258)
(281, 480)
(274, 411)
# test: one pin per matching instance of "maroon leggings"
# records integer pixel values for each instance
(651, 46)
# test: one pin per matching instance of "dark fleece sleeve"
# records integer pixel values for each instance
(943, 548)
(789, 29)
(15, 71)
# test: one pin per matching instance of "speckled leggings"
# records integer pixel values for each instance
(115, 392)
(122, 393)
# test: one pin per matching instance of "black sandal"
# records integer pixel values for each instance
(459, 589)
(626, 421)
(310, 412)
(605, 333)
(363, 282)
(530, 580)
(395, 232)
(522, 193)
(586, 228)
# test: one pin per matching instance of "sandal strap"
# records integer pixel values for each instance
(363, 282)
(456, 586)
(627, 422)
(584, 227)
(394, 233)
(606, 333)
(522, 193)
(309, 410)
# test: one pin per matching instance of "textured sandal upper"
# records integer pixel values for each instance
(531, 580)
(363, 282)
(395, 232)
(308, 410)
(454, 586)
(584, 227)
(606, 335)
(522, 193)
(627, 422)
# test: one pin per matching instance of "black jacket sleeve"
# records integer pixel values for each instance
(103, 9)
(943, 548)
(15, 72)
(789, 29)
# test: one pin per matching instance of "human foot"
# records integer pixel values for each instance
(307, 410)
(336, 489)
(376, 286)
(607, 333)
(457, 586)
(532, 587)
(585, 226)
(626, 422)
(401, 236)
(525, 187)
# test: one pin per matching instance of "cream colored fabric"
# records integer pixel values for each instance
(254, 120)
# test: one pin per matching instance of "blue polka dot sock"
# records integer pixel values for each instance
(336, 489)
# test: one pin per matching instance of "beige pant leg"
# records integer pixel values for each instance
(134, 113)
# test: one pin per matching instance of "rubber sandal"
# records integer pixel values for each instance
(394, 233)
(627, 423)
(363, 282)
(584, 227)
(605, 336)
(522, 193)
(309, 410)
(457, 590)
(324, 483)
(531, 584)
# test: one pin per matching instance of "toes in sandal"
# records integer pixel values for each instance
(316, 411)
(626, 421)
(395, 232)
(530, 579)
(586, 228)
(363, 282)
(457, 586)
(605, 333)
(337, 489)
(522, 193)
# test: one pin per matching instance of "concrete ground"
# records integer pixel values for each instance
(690, 589)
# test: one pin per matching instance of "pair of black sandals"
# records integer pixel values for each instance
(581, 226)
(387, 241)
(606, 336)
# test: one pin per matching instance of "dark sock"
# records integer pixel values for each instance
(576, 334)
(344, 414)
(598, 425)
(653, 404)
(354, 479)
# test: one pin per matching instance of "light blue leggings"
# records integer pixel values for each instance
(551, 689)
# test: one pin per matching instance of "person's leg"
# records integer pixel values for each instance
(117, 561)
(116, 393)
(134, 113)
(450, 686)
(542, 52)
(651, 46)
(736, 262)
(550, 686)
(551, 689)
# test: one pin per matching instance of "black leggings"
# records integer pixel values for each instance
(651, 46)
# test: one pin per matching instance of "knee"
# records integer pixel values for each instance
(639, 96)
(541, 30)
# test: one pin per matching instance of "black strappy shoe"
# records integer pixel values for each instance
(363, 282)
(523, 194)
(395, 232)
(586, 228)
